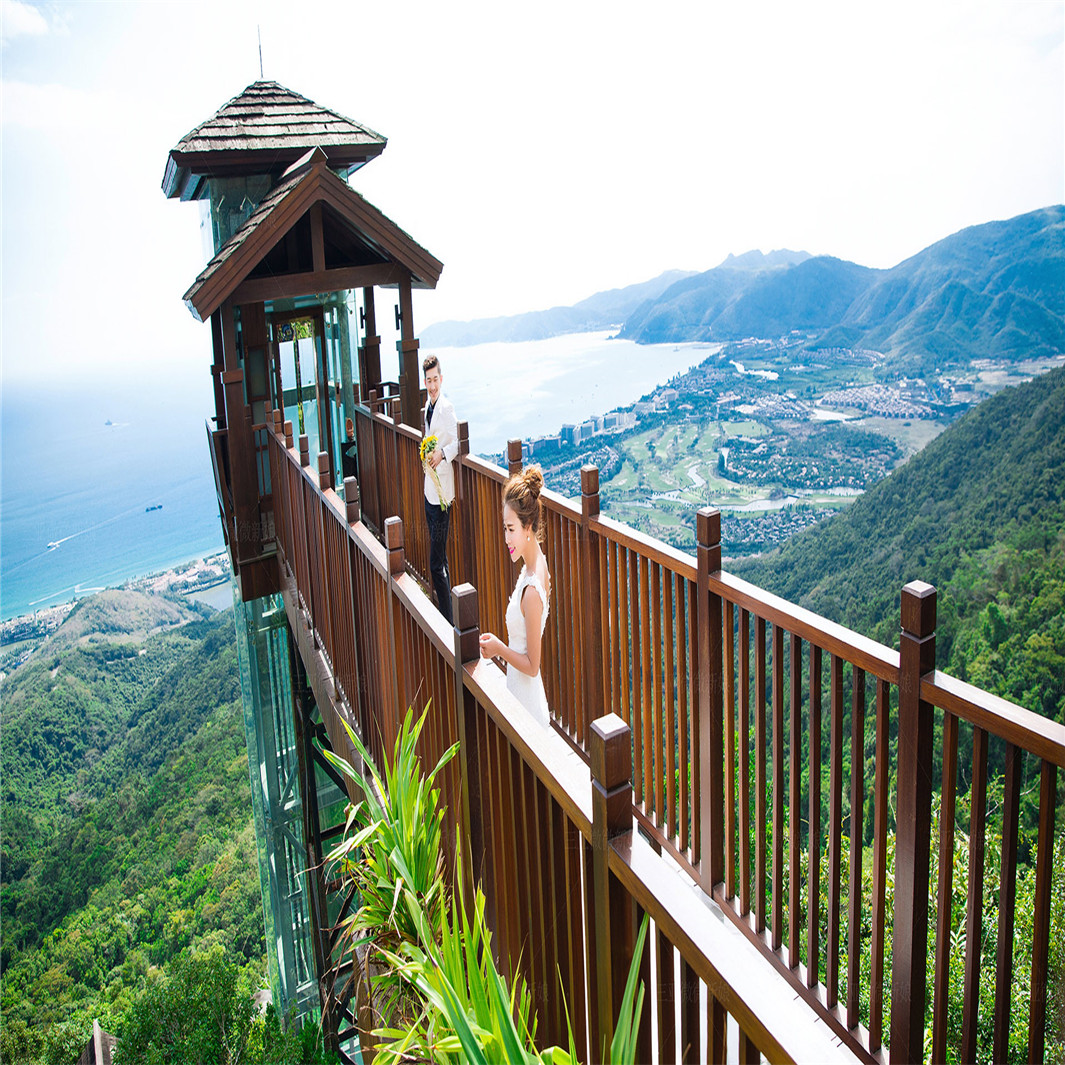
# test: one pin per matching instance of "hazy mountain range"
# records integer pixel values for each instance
(994, 290)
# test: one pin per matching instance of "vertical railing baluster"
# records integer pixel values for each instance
(880, 831)
(795, 801)
(857, 819)
(745, 762)
(592, 664)
(759, 774)
(1007, 899)
(1044, 871)
(835, 830)
(974, 919)
(729, 706)
(656, 708)
(813, 889)
(777, 929)
(687, 754)
(941, 973)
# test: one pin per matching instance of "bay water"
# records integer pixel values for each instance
(85, 504)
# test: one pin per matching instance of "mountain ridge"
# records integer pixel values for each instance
(992, 290)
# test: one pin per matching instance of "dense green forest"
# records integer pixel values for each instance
(128, 841)
(979, 514)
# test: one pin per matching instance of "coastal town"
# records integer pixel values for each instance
(204, 580)
(777, 434)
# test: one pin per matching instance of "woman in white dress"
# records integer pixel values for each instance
(527, 609)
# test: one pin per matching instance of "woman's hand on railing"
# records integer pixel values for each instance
(491, 645)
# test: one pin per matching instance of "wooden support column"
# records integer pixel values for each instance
(711, 701)
(613, 934)
(217, 369)
(245, 484)
(409, 368)
(917, 656)
(592, 622)
(370, 349)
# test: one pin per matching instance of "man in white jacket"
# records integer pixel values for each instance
(439, 421)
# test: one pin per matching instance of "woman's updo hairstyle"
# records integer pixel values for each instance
(522, 494)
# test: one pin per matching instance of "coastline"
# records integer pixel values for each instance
(204, 579)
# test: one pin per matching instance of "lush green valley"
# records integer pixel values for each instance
(127, 827)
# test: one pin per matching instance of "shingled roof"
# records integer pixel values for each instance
(264, 130)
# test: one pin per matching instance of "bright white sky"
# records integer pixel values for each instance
(543, 152)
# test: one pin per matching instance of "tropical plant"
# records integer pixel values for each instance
(445, 1000)
(391, 846)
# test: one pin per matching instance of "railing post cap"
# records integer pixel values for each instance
(611, 754)
(393, 533)
(464, 606)
(708, 525)
(323, 461)
(589, 479)
(919, 608)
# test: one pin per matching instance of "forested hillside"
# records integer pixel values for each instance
(979, 514)
(127, 824)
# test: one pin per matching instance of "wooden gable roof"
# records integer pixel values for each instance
(312, 233)
(263, 130)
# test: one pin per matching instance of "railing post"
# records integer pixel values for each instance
(352, 508)
(711, 702)
(513, 457)
(305, 450)
(464, 533)
(325, 474)
(592, 622)
(909, 948)
(467, 634)
(394, 546)
(288, 435)
(613, 942)
(393, 669)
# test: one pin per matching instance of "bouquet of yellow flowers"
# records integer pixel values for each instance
(427, 447)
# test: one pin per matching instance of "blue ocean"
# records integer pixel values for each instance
(99, 486)
(80, 470)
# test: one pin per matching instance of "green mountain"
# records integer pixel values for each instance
(603, 310)
(992, 290)
(126, 806)
(980, 514)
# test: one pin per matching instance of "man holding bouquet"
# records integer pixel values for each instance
(440, 446)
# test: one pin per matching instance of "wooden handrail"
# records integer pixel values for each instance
(1031, 732)
(687, 654)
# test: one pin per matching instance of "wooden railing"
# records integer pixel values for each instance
(726, 697)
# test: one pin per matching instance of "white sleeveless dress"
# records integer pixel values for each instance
(529, 690)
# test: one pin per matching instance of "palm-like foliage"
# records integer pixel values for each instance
(392, 846)
(444, 998)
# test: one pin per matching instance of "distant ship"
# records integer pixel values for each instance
(157, 506)
(53, 544)
(109, 422)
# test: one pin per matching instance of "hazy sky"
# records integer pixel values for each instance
(542, 151)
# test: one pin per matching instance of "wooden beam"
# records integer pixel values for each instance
(288, 286)
(317, 239)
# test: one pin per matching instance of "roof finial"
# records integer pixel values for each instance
(258, 30)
